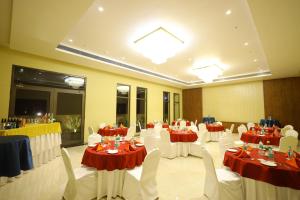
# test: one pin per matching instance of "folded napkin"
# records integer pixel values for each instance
(294, 162)
(98, 147)
(242, 154)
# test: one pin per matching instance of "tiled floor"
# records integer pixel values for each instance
(178, 179)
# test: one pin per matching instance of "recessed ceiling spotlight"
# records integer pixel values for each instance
(255, 60)
(228, 12)
(70, 40)
(100, 9)
(246, 44)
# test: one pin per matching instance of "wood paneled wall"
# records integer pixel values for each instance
(282, 100)
(192, 104)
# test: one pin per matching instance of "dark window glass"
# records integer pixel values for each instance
(141, 106)
(123, 102)
(31, 102)
(166, 107)
(176, 106)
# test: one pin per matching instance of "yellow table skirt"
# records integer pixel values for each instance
(33, 130)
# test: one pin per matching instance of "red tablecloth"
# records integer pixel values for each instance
(254, 137)
(188, 123)
(165, 125)
(101, 160)
(282, 175)
(214, 127)
(113, 131)
(150, 125)
(182, 136)
(267, 129)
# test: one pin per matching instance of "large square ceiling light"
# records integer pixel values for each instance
(159, 45)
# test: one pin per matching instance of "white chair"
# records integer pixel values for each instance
(194, 128)
(102, 125)
(195, 147)
(241, 129)
(140, 182)
(250, 125)
(130, 133)
(157, 129)
(220, 184)
(196, 121)
(225, 142)
(219, 123)
(286, 142)
(202, 127)
(93, 137)
(285, 129)
(168, 149)
(182, 124)
(291, 133)
(82, 182)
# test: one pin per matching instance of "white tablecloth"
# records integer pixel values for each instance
(214, 136)
(254, 190)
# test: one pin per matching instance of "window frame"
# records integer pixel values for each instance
(128, 99)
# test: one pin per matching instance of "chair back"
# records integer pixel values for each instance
(202, 127)
(102, 125)
(157, 129)
(231, 128)
(130, 133)
(202, 136)
(211, 186)
(194, 128)
(250, 125)
(196, 121)
(150, 165)
(91, 130)
(291, 133)
(165, 136)
(287, 141)
(182, 123)
(139, 123)
(225, 142)
(68, 164)
(241, 129)
(285, 129)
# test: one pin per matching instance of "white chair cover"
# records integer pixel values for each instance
(140, 182)
(182, 123)
(195, 147)
(82, 182)
(291, 133)
(221, 183)
(202, 127)
(168, 149)
(102, 125)
(130, 132)
(241, 129)
(225, 142)
(285, 129)
(250, 125)
(287, 141)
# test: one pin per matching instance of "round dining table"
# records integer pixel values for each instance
(111, 166)
(113, 131)
(261, 178)
(15, 155)
(256, 136)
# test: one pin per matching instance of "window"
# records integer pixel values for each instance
(166, 107)
(141, 106)
(176, 106)
(123, 102)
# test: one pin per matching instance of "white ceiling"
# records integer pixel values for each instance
(38, 27)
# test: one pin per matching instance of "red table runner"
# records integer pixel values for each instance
(254, 137)
(188, 123)
(282, 175)
(124, 159)
(214, 127)
(113, 131)
(150, 125)
(182, 136)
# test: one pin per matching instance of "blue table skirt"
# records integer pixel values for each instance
(15, 155)
(208, 120)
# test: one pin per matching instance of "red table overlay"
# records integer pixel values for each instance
(254, 137)
(101, 160)
(113, 131)
(188, 123)
(182, 136)
(214, 127)
(150, 125)
(282, 175)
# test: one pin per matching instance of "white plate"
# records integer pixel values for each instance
(261, 135)
(92, 145)
(232, 150)
(268, 163)
(139, 144)
(112, 151)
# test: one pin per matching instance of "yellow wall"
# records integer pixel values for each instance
(242, 102)
(100, 91)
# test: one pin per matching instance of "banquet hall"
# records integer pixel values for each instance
(147, 100)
